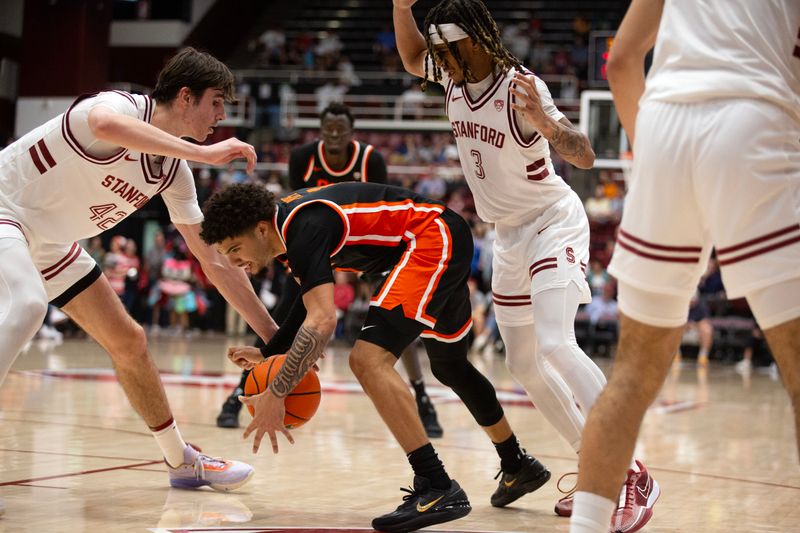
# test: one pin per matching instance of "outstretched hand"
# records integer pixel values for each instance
(226, 151)
(268, 418)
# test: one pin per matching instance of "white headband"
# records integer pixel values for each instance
(451, 32)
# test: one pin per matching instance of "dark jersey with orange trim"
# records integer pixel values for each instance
(308, 167)
(362, 227)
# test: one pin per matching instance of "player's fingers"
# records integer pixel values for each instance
(274, 439)
(251, 159)
(257, 440)
(249, 428)
(288, 435)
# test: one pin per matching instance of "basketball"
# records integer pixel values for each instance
(301, 403)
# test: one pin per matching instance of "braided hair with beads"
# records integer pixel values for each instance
(476, 21)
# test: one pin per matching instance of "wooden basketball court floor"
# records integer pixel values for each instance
(75, 457)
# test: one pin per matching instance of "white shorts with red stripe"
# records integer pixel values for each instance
(722, 174)
(60, 265)
(549, 252)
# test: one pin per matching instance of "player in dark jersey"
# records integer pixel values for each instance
(427, 249)
(336, 158)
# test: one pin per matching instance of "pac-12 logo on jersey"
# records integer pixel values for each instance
(499, 104)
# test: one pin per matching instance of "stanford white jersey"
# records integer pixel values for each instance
(65, 186)
(507, 165)
(722, 49)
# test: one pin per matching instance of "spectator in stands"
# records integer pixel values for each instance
(410, 104)
(130, 294)
(96, 250)
(599, 207)
(603, 317)
(604, 306)
(115, 265)
(385, 42)
(272, 44)
(331, 92)
(597, 277)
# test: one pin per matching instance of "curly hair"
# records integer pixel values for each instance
(235, 210)
(472, 17)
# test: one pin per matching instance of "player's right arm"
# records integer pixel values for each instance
(634, 39)
(118, 129)
(410, 42)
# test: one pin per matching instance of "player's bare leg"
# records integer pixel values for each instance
(374, 368)
(784, 342)
(100, 313)
(644, 357)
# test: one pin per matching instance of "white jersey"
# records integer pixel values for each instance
(507, 166)
(710, 49)
(65, 185)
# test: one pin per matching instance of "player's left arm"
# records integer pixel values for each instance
(231, 281)
(562, 135)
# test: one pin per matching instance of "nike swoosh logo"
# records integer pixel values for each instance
(129, 158)
(423, 508)
(644, 493)
(510, 483)
(457, 98)
(367, 327)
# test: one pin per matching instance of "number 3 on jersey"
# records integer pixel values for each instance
(476, 157)
(100, 211)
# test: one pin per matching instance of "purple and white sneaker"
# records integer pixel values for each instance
(199, 470)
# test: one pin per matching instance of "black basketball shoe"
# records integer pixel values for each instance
(229, 415)
(427, 414)
(424, 506)
(514, 486)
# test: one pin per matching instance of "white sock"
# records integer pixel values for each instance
(591, 513)
(171, 443)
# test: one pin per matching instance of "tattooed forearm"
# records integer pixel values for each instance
(572, 145)
(305, 350)
(568, 141)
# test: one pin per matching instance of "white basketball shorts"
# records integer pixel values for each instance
(548, 252)
(65, 269)
(723, 174)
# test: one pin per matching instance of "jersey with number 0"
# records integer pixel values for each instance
(508, 169)
(705, 50)
(65, 185)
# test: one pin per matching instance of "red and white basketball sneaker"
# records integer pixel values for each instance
(640, 494)
(564, 505)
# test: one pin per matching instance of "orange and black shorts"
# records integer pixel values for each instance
(425, 294)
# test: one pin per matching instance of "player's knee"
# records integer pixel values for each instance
(361, 363)
(520, 364)
(30, 310)
(130, 343)
(635, 391)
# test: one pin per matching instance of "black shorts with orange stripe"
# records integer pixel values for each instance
(426, 294)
